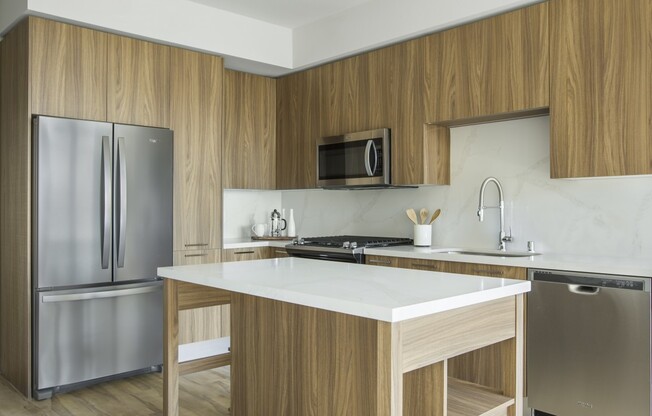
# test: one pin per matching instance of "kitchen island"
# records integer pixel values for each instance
(323, 338)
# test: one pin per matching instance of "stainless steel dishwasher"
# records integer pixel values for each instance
(588, 344)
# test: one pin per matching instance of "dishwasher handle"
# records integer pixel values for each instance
(584, 290)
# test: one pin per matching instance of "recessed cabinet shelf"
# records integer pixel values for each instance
(469, 399)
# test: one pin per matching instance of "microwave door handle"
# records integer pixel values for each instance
(367, 165)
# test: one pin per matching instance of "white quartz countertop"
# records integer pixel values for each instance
(381, 293)
(580, 263)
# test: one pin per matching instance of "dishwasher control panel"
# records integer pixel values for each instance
(594, 280)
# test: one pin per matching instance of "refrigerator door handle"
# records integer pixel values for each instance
(100, 295)
(122, 195)
(106, 201)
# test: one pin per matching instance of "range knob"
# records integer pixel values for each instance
(346, 244)
(354, 245)
(300, 242)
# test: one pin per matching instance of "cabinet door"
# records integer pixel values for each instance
(196, 118)
(410, 160)
(600, 107)
(67, 70)
(344, 95)
(278, 253)
(249, 131)
(500, 67)
(138, 82)
(297, 129)
(242, 254)
(201, 324)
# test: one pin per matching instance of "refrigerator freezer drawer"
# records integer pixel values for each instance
(85, 334)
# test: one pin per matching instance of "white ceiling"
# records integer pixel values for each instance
(287, 13)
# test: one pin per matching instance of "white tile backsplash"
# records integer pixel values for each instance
(603, 216)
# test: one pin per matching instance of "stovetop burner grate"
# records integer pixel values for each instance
(362, 241)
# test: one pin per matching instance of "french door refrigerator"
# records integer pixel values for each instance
(102, 224)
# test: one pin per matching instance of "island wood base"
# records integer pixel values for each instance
(289, 360)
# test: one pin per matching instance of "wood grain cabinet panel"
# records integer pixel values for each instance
(420, 151)
(491, 69)
(15, 221)
(67, 70)
(248, 253)
(138, 82)
(201, 324)
(195, 109)
(344, 94)
(297, 129)
(249, 143)
(600, 108)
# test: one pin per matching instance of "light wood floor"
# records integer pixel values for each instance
(200, 394)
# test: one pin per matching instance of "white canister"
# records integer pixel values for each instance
(422, 235)
(292, 228)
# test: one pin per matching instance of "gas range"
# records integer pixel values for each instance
(343, 248)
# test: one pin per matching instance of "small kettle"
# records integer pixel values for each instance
(276, 224)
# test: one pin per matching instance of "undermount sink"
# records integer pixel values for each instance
(492, 253)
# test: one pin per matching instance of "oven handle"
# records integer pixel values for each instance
(367, 153)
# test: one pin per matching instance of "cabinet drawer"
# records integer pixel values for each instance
(242, 254)
(382, 261)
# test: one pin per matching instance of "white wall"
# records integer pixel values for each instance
(610, 216)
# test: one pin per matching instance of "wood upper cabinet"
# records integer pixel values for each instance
(344, 96)
(138, 82)
(249, 142)
(601, 57)
(491, 68)
(420, 152)
(68, 71)
(297, 129)
(195, 118)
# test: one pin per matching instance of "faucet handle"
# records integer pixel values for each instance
(508, 238)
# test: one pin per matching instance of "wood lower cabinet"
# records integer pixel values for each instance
(600, 88)
(205, 323)
(138, 82)
(277, 253)
(195, 109)
(249, 253)
(476, 269)
(67, 70)
(297, 129)
(249, 143)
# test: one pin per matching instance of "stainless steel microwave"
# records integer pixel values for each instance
(359, 159)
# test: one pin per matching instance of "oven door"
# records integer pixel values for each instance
(356, 159)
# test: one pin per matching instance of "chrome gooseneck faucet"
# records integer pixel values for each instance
(502, 238)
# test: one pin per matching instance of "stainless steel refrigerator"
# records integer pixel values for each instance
(102, 224)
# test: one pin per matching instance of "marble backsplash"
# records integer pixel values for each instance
(604, 216)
